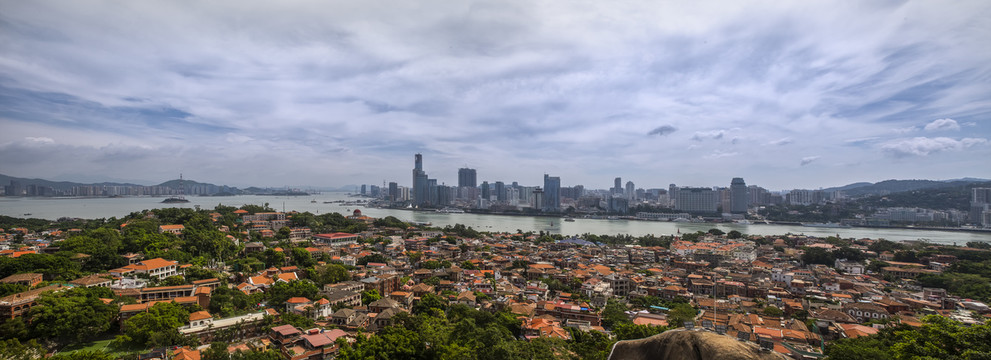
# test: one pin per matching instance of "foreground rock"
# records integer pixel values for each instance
(689, 345)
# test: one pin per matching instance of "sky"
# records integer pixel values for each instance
(786, 94)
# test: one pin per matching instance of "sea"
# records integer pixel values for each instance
(105, 207)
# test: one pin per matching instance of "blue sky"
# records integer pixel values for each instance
(800, 94)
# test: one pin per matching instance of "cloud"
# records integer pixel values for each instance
(705, 135)
(922, 146)
(809, 159)
(721, 154)
(781, 141)
(663, 130)
(500, 84)
(40, 140)
(942, 124)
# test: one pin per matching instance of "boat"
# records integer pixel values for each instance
(450, 211)
(569, 219)
(28, 214)
(174, 200)
(826, 225)
(314, 201)
(743, 222)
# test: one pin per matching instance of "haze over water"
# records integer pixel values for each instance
(92, 208)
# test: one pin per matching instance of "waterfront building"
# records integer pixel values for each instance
(393, 191)
(980, 202)
(500, 191)
(420, 191)
(552, 193)
(696, 200)
(467, 177)
(631, 191)
(739, 199)
(617, 186)
(486, 192)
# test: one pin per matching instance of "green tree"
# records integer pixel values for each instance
(331, 274)
(614, 314)
(279, 292)
(679, 313)
(72, 315)
(83, 355)
(369, 296)
(772, 311)
(157, 327)
(733, 234)
(628, 331)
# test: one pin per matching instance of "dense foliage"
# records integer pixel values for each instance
(938, 338)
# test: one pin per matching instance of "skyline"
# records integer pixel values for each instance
(336, 94)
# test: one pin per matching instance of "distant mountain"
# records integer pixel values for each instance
(5, 180)
(896, 186)
(64, 188)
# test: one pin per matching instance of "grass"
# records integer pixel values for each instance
(100, 345)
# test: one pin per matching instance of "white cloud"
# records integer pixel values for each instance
(711, 134)
(922, 146)
(497, 84)
(942, 124)
(721, 154)
(781, 141)
(809, 159)
(40, 140)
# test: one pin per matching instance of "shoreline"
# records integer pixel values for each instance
(773, 223)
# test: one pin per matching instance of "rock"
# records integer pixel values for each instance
(689, 345)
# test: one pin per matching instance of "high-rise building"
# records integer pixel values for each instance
(631, 191)
(696, 200)
(552, 193)
(467, 177)
(486, 192)
(980, 202)
(393, 191)
(739, 199)
(421, 190)
(500, 191)
(673, 194)
(363, 189)
(538, 198)
(617, 186)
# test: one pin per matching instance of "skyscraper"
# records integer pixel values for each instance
(467, 177)
(739, 199)
(393, 191)
(500, 191)
(631, 191)
(618, 187)
(486, 193)
(552, 193)
(421, 191)
(696, 200)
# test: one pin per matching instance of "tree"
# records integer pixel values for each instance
(331, 274)
(938, 338)
(716, 232)
(772, 311)
(73, 315)
(614, 313)
(225, 301)
(429, 302)
(628, 331)
(279, 292)
(680, 313)
(369, 296)
(157, 327)
(733, 234)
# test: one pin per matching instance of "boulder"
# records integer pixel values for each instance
(689, 345)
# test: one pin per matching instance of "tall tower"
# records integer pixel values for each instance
(467, 177)
(421, 190)
(618, 187)
(552, 193)
(631, 191)
(739, 199)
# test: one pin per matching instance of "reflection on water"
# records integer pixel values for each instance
(51, 208)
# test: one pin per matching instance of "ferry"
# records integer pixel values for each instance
(569, 219)
(450, 211)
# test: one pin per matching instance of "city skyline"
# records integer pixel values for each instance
(804, 95)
